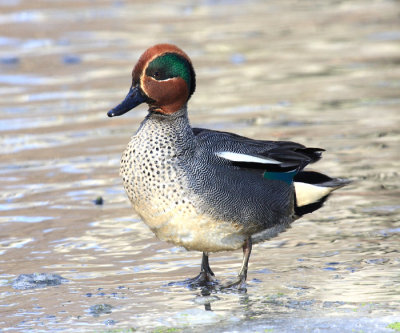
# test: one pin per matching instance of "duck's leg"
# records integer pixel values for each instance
(247, 246)
(242, 276)
(206, 275)
(205, 266)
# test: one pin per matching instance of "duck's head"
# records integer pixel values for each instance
(163, 78)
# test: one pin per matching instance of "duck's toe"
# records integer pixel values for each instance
(204, 279)
(238, 285)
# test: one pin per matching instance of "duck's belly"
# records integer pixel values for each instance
(183, 226)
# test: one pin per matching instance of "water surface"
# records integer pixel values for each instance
(324, 74)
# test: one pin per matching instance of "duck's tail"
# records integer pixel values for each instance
(312, 189)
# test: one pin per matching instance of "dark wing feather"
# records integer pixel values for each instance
(292, 155)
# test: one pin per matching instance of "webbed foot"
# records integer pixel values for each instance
(204, 279)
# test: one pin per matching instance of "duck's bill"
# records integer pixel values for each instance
(133, 99)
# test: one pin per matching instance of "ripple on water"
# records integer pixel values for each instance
(393, 35)
(9, 60)
(21, 205)
(25, 219)
(6, 41)
(23, 80)
(28, 16)
(14, 243)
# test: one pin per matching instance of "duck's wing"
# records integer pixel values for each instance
(274, 156)
(273, 160)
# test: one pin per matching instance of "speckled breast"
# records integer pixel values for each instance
(157, 186)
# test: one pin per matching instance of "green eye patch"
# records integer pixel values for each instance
(171, 65)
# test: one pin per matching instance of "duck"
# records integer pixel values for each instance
(203, 189)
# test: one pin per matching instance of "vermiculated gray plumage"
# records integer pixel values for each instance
(172, 173)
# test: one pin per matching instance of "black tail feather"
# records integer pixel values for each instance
(302, 210)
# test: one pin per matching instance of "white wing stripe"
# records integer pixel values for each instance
(237, 157)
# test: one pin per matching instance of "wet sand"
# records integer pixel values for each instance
(323, 74)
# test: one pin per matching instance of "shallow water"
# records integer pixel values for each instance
(324, 74)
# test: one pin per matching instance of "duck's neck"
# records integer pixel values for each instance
(174, 129)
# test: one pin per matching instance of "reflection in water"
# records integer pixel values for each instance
(325, 75)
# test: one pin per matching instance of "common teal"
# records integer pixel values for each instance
(208, 190)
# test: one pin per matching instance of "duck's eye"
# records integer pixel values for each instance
(157, 74)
